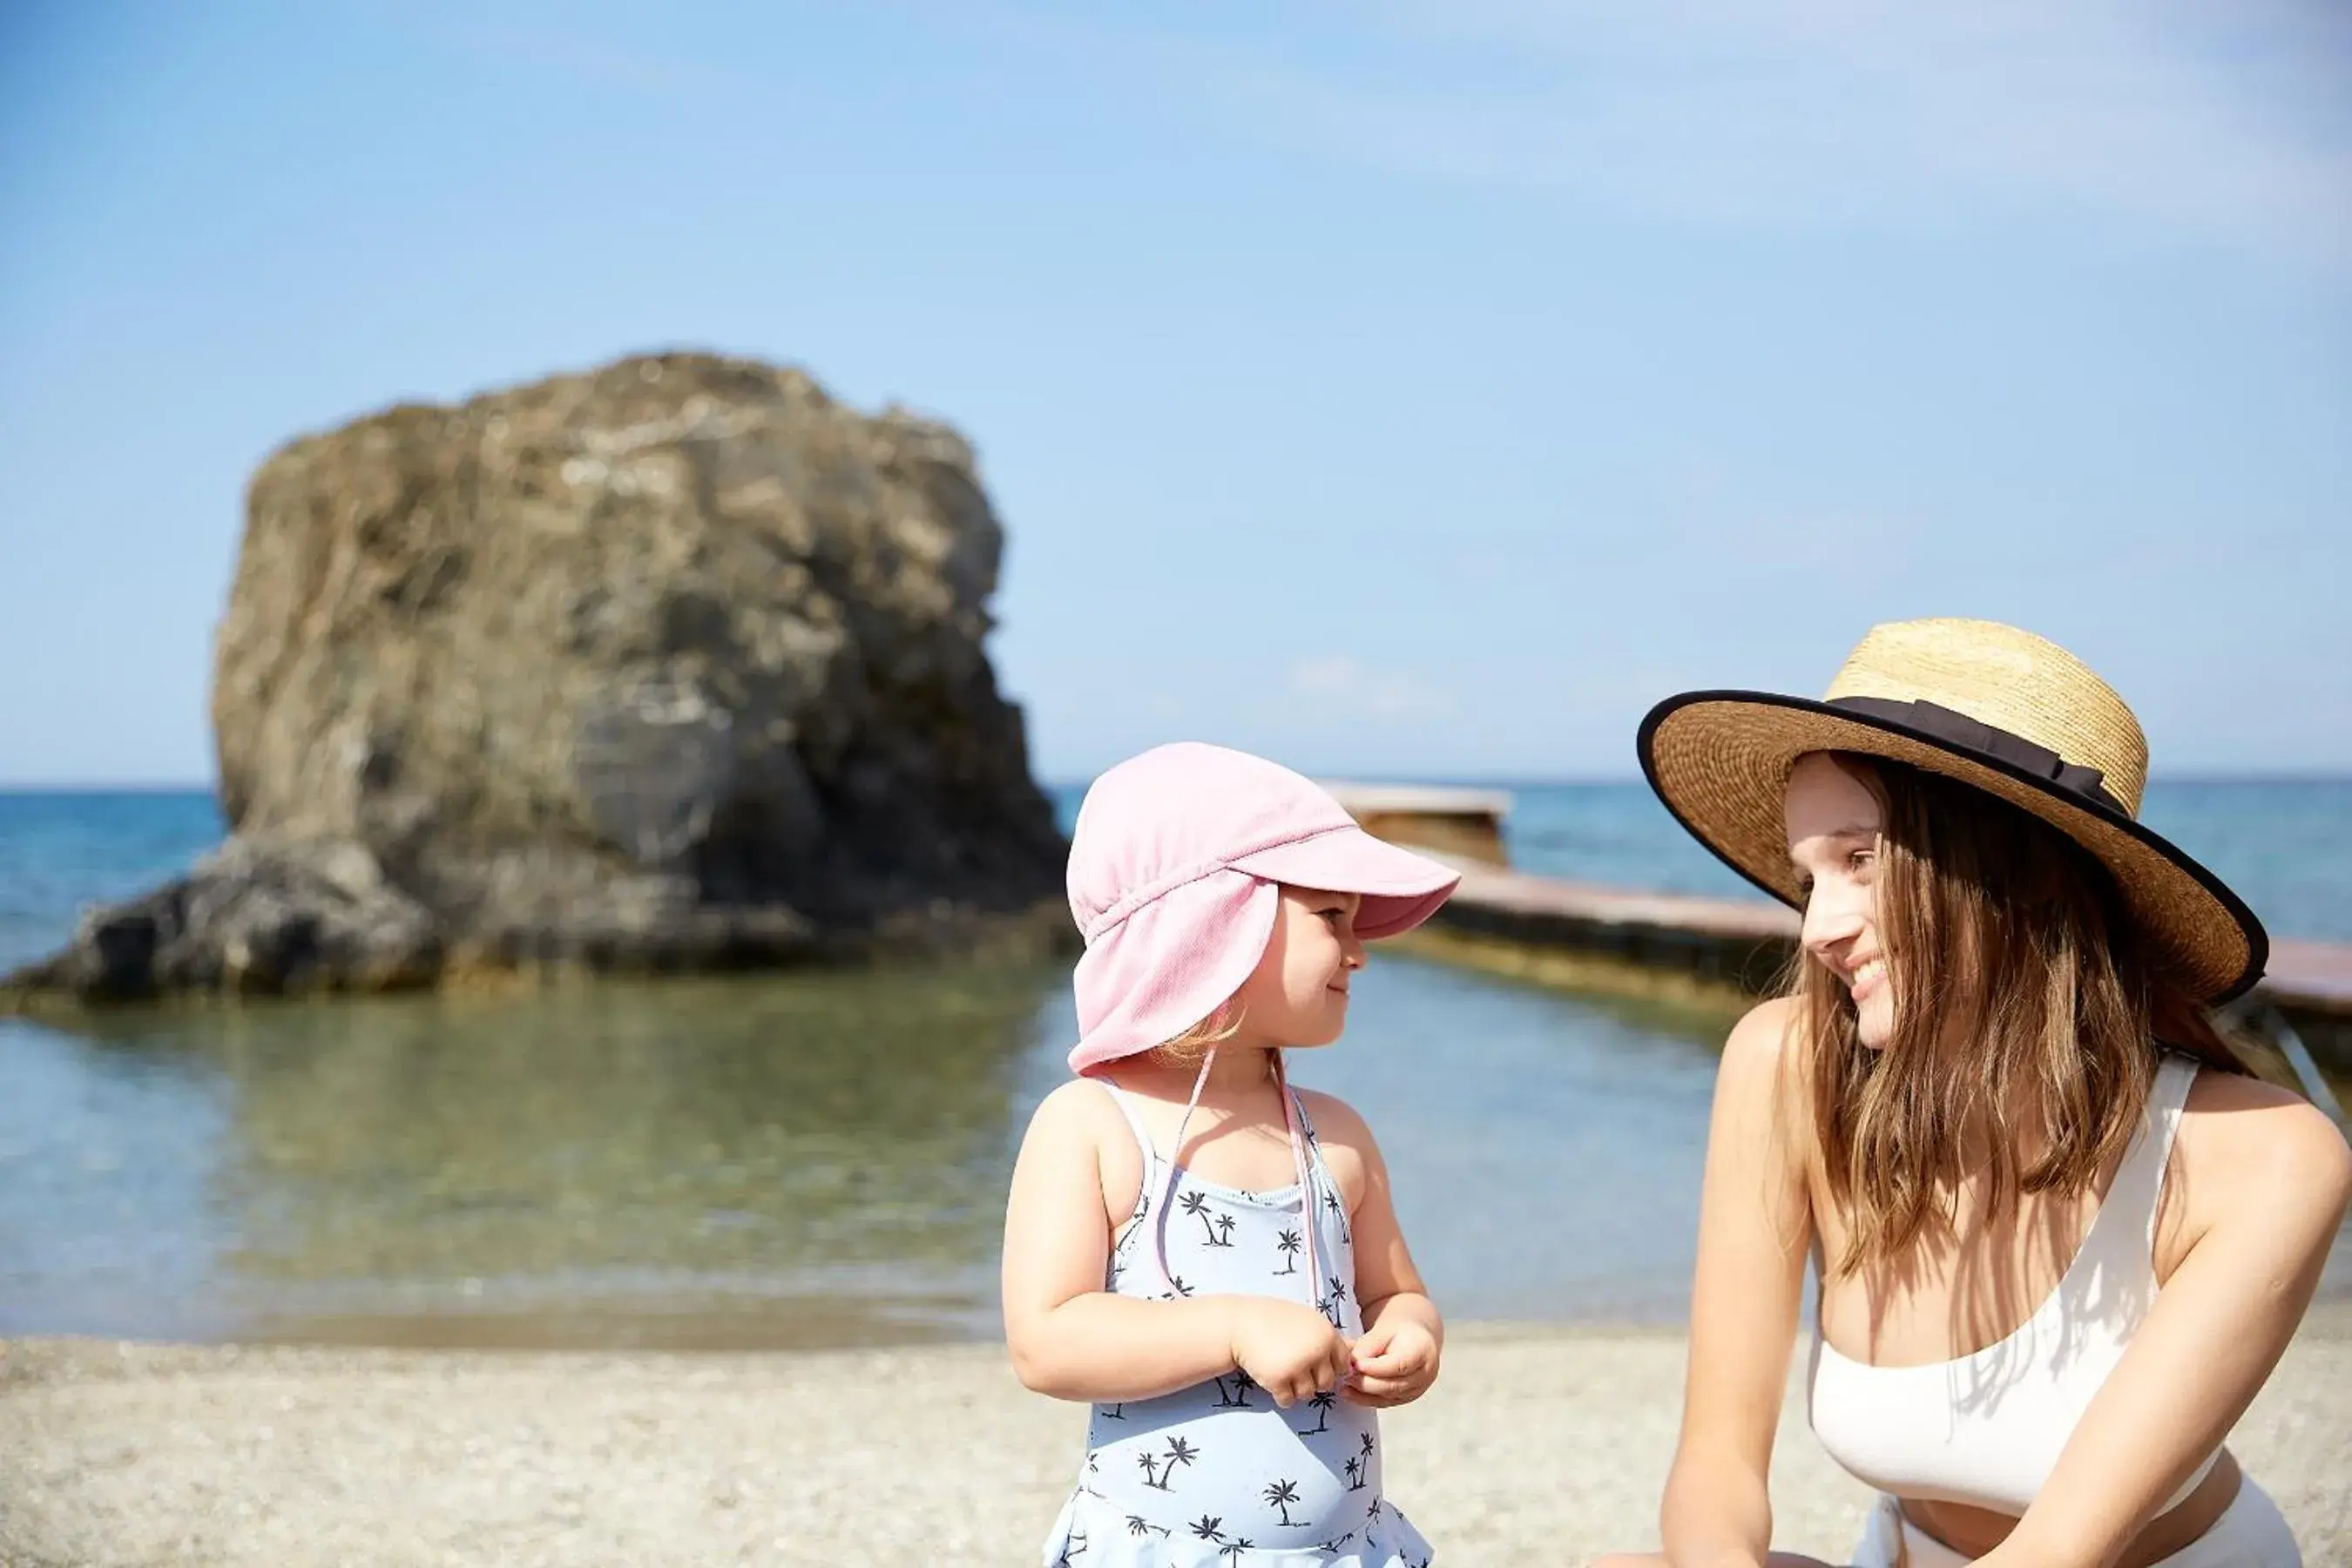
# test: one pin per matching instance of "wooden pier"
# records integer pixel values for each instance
(1666, 946)
(1465, 823)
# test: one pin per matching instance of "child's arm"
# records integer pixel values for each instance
(1071, 1338)
(1396, 1360)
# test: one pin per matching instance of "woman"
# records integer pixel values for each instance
(2061, 1236)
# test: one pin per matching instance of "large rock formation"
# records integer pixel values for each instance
(676, 663)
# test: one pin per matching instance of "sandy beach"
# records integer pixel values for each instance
(1538, 1446)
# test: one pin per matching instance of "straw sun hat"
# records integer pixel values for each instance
(1991, 706)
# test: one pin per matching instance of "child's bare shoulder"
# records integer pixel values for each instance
(1347, 1143)
(1336, 1121)
(1079, 1126)
(1078, 1110)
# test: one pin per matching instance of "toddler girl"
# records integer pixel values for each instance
(1207, 1256)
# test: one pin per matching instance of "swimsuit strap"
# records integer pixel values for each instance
(2167, 1097)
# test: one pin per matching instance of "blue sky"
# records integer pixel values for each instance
(1411, 387)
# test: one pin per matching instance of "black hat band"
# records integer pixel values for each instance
(1965, 735)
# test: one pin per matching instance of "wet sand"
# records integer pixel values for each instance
(1539, 1445)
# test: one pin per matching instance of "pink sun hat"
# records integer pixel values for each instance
(1176, 870)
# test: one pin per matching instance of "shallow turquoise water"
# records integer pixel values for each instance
(814, 1157)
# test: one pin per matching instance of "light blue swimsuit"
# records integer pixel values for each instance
(1217, 1476)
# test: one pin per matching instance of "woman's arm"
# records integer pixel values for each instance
(2263, 1181)
(1396, 1359)
(1755, 1227)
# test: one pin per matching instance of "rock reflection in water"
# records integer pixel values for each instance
(725, 1161)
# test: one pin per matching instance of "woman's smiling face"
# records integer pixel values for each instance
(1834, 824)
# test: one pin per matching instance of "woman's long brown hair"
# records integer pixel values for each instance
(2027, 1017)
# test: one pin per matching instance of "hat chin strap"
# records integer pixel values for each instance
(1298, 1161)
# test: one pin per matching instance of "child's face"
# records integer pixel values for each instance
(1298, 994)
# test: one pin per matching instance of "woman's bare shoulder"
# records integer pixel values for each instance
(1768, 1028)
(1764, 1087)
(2242, 1132)
(1765, 1052)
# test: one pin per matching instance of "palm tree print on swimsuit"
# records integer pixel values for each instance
(1282, 1494)
(1339, 1213)
(1197, 1206)
(1288, 1244)
(1236, 1547)
(1179, 1452)
(1118, 1254)
(1320, 1404)
(1139, 1526)
(1209, 1528)
(1237, 1397)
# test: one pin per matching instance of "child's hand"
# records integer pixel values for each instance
(1291, 1351)
(1395, 1364)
